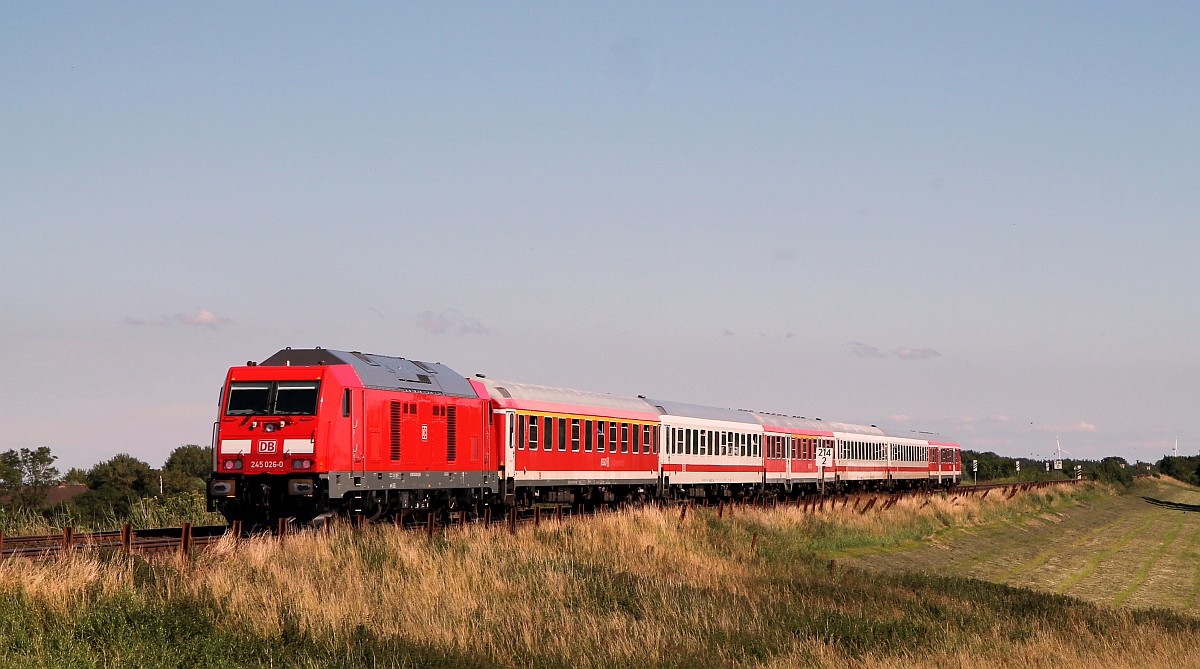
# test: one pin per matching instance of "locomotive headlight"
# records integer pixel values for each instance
(270, 427)
(302, 464)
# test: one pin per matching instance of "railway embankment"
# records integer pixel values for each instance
(742, 586)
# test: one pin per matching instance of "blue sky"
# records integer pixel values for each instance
(977, 220)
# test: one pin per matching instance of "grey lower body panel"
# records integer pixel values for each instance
(341, 483)
(568, 482)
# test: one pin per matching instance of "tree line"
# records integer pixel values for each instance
(27, 477)
(1111, 469)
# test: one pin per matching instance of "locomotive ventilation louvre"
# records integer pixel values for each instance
(451, 432)
(395, 430)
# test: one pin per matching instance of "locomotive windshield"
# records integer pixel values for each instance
(275, 398)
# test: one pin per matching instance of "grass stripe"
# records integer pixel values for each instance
(1090, 566)
(1044, 555)
(1190, 552)
(1143, 570)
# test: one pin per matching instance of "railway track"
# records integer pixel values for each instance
(187, 538)
(126, 540)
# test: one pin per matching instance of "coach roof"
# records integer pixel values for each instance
(513, 393)
(699, 411)
(382, 371)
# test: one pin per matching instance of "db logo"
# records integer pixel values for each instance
(267, 446)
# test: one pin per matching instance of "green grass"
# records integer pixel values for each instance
(1113, 549)
(168, 511)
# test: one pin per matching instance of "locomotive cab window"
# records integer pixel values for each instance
(296, 398)
(277, 398)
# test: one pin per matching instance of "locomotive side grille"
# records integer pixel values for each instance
(395, 424)
(451, 432)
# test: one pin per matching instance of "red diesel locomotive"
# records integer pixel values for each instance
(308, 433)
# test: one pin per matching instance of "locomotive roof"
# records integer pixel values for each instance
(382, 371)
(700, 411)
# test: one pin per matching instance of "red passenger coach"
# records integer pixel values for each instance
(945, 462)
(562, 445)
(310, 431)
(791, 449)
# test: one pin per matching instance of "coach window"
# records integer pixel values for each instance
(600, 436)
(533, 432)
(635, 439)
(646, 443)
(521, 431)
(562, 434)
(574, 434)
(587, 436)
(624, 437)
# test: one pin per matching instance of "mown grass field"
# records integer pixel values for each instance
(636, 588)
(1116, 550)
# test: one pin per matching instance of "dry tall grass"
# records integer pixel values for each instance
(633, 588)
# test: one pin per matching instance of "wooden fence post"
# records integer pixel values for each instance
(185, 539)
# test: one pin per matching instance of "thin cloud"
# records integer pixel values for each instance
(201, 318)
(1081, 426)
(864, 350)
(861, 350)
(915, 353)
(450, 322)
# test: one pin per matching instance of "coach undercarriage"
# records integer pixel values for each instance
(259, 501)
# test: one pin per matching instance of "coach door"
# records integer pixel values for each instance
(510, 455)
(789, 452)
